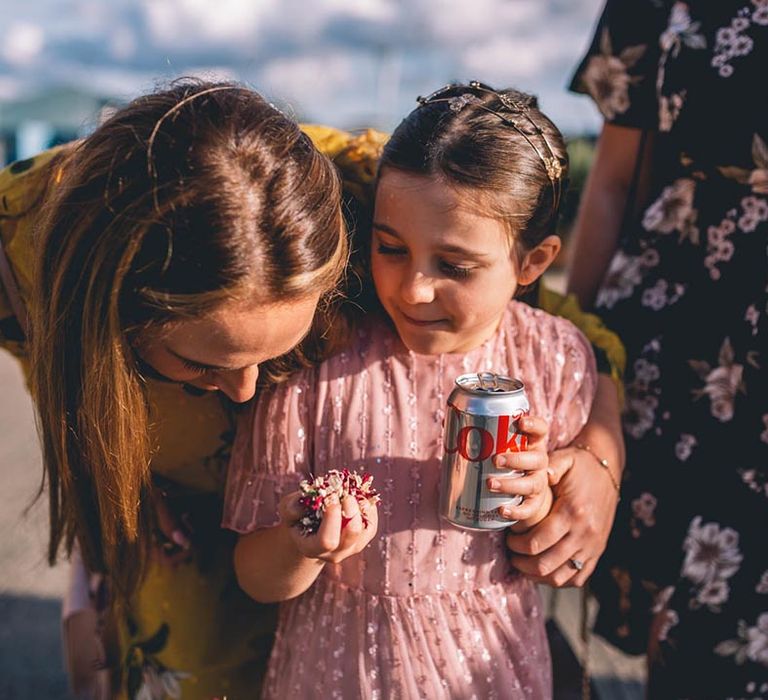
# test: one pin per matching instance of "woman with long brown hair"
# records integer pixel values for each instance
(185, 242)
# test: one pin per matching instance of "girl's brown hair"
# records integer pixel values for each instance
(186, 199)
(497, 144)
(495, 147)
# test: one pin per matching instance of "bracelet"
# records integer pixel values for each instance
(602, 462)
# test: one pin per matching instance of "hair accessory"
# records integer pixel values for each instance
(456, 103)
(602, 462)
(525, 126)
(511, 104)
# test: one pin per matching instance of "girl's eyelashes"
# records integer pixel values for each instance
(390, 250)
(455, 271)
(448, 269)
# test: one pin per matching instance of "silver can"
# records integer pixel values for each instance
(481, 422)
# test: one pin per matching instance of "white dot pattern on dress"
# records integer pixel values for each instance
(427, 610)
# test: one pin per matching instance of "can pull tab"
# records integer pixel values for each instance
(488, 381)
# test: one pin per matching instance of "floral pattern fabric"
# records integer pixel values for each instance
(685, 575)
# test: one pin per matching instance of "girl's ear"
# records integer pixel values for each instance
(536, 261)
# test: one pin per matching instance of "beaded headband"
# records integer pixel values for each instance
(517, 107)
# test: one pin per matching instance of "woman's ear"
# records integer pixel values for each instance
(536, 261)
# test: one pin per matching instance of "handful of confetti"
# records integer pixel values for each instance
(341, 483)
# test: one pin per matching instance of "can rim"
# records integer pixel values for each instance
(479, 377)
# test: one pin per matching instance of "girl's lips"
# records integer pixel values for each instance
(417, 322)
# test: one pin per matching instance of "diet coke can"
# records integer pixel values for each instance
(482, 421)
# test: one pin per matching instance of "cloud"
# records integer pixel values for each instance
(460, 22)
(189, 23)
(23, 42)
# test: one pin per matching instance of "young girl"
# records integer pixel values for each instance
(466, 202)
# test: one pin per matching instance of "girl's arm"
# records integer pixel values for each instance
(601, 212)
(279, 563)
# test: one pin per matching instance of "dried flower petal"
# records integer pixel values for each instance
(316, 492)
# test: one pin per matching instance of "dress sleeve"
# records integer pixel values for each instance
(619, 70)
(574, 382)
(271, 453)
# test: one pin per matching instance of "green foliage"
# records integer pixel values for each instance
(581, 151)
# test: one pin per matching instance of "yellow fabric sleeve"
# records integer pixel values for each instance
(22, 187)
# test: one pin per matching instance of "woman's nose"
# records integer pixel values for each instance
(239, 385)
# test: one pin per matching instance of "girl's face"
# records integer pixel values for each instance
(222, 350)
(443, 272)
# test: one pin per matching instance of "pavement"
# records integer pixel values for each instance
(30, 591)
(31, 665)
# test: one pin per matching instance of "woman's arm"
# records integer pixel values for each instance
(586, 493)
(596, 231)
(585, 499)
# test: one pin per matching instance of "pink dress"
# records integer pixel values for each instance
(427, 610)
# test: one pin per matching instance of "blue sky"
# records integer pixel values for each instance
(349, 63)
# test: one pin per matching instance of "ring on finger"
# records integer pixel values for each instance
(576, 564)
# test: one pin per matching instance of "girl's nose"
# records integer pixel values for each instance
(417, 288)
(239, 385)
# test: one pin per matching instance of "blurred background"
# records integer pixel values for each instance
(65, 64)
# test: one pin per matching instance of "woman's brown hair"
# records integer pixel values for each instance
(186, 199)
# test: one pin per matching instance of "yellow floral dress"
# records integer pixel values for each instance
(190, 631)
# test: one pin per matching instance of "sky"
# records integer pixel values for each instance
(349, 63)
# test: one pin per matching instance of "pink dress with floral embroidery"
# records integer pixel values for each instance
(427, 610)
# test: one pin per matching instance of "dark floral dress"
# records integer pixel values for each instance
(686, 571)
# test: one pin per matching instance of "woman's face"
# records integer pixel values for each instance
(443, 273)
(222, 350)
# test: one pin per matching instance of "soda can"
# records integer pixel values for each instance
(483, 413)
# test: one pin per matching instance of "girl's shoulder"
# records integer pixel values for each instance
(544, 335)
(556, 363)
(373, 340)
(524, 317)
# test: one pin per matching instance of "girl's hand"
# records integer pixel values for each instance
(341, 533)
(533, 485)
(577, 528)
